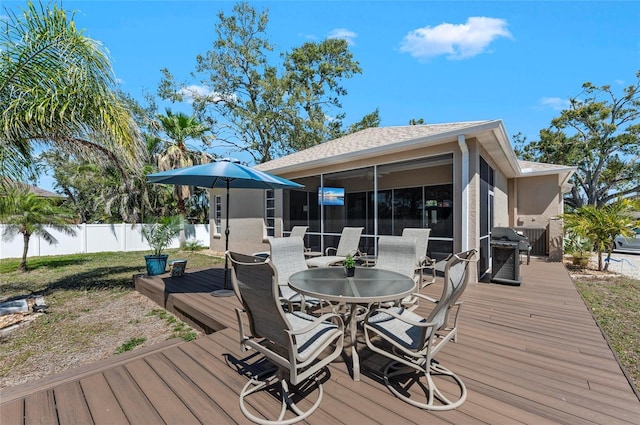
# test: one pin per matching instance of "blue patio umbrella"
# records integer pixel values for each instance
(222, 174)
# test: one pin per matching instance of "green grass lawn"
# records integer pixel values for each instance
(615, 303)
(94, 311)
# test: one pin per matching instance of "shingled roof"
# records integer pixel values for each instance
(367, 139)
(378, 141)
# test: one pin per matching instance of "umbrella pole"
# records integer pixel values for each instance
(225, 292)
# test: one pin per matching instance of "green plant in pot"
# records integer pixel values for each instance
(159, 236)
(582, 252)
(580, 249)
(349, 264)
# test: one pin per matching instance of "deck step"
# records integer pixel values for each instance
(11, 393)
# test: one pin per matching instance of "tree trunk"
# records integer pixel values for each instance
(599, 260)
(25, 249)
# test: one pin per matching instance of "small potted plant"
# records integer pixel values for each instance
(159, 236)
(581, 253)
(579, 248)
(349, 264)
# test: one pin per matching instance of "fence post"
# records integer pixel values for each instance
(83, 237)
(123, 237)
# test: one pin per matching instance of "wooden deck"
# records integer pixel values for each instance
(529, 354)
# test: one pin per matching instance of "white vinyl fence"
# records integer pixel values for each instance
(95, 238)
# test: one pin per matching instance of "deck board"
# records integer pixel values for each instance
(12, 412)
(70, 404)
(40, 409)
(529, 354)
(157, 391)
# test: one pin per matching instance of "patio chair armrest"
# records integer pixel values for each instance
(457, 306)
(317, 321)
(425, 297)
(399, 317)
(243, 335)
(326, 251)
(426, 261)
(288, 302)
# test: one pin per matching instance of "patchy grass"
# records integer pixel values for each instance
(130, 345)
(93, 312)
(179, 328)
(614, 302)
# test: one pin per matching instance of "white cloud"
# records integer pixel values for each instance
(343, 33)
(308, 36)
(555, 103)
(457, 41)
(194, 92)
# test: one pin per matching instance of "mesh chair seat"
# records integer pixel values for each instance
(411, 342)
(402, 331)
(297, 344)
(309, 342)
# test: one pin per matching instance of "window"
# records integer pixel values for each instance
(270, 211)
(217, 213)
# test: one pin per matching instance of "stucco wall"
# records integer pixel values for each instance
(537, 204)
(538, 201)
(246, 226)
(501, 201)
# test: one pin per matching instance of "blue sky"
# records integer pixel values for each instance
(441, 61)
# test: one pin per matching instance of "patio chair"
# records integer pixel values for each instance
(298, 345)
(423, 262)
(398, 254)
(287, 258)
(348, 245)
(298, 231)
(411, 342)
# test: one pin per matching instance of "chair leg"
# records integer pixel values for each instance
(257, 383)
(397, 378)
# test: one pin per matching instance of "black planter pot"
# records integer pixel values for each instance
(349, 271)
(156, 264)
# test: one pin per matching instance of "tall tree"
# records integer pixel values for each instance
(600, 134)
(180, 128)
(57, 87)
(368, 121)
(263, 108)
(312, 83)
(27, 214)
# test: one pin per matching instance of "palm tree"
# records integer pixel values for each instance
(29, 215)
(600, 225)
(57, 87)
(181, 128)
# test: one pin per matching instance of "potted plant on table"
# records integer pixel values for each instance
(349, 264)
(159, 236)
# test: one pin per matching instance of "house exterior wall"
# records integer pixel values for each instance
(246, 226)
(518, 202)
(537, 202)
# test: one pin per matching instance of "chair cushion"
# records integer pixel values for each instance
(309, 342)
(403, 333)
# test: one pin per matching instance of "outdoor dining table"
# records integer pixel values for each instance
(367, 286)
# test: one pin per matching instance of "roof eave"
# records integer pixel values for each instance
(431, 140)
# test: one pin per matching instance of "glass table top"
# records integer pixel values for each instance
(367, 285)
